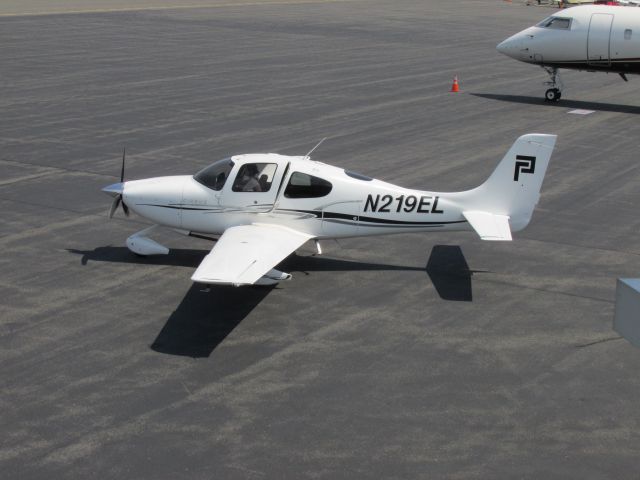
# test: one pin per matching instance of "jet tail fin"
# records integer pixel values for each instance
(510, 194)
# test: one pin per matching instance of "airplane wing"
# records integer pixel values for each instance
(489, 226)
(245, 253)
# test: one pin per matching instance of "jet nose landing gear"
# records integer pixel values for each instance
(552, 95)
(555, 82)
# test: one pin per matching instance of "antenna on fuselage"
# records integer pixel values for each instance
(311, 151)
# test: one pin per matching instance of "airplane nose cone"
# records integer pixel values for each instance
(507, 47)
(114, 189)
(516, 46)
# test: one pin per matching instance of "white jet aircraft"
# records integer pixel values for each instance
(596, 38)
(265, 206)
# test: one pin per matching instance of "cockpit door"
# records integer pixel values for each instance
(599, 39)
(253, 186)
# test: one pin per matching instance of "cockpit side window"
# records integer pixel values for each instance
(302, 185)
(255, 177)
(214, 176)
(555, 23)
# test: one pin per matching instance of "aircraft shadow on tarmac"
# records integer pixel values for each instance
(183, 257)
(575, 104)
(449, 273)
(206, 316)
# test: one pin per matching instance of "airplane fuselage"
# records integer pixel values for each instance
(594, 37)
(353, 205)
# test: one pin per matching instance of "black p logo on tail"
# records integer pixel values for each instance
(524, 164)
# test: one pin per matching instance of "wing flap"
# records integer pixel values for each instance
(489, 226)
(244, 254)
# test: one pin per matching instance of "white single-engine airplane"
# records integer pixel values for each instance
(265, 206)
(596, 38)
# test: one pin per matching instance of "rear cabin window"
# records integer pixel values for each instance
(627, 34)
(556, 23)
(358, 176)
(302, 185)
(214, 176)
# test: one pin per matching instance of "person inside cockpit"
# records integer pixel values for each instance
(247, 180)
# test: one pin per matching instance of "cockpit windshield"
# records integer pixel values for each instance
(214, 176)
(556, 23)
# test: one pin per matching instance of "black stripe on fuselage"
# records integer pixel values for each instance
(372, 220)
(333, 217)
(204, 209)
(179, 207)
(621, 65)
(355, 223)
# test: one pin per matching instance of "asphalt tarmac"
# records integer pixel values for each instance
(409, 356)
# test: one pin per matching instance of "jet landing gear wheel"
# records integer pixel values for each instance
(552, 95)
(555, 82)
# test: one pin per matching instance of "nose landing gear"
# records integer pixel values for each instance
(554, 93)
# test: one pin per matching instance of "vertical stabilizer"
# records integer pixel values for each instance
(513, 189)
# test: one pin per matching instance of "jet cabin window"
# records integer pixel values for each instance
(302, 185)
(556, 23)
(215, 176)
(255, 177)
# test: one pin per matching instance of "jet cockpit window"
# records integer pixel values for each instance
(302, 185)
(214, 176)
(556, 23)
(255, 177)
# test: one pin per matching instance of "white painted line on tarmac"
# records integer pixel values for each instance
(580, 111)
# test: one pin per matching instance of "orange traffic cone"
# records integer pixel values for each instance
(455, 87)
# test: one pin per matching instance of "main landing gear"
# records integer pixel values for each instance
(555, 82)
(140, 243)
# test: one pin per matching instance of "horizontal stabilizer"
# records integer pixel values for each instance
(489, 226)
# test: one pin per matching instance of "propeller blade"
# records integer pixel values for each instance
(122, 170)
(114, 205)
(125, 209)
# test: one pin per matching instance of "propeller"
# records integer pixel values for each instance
(118, 199)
